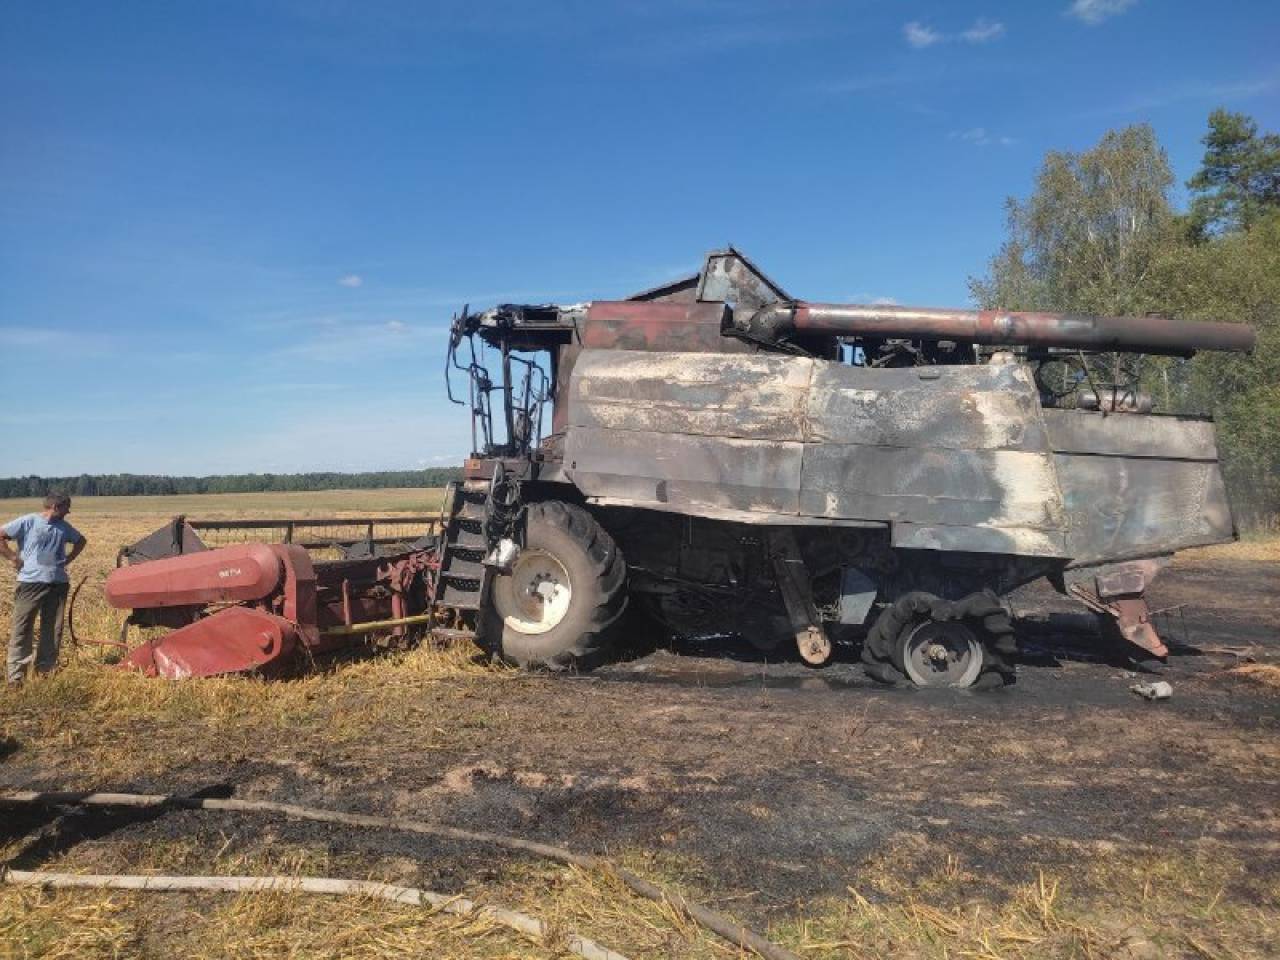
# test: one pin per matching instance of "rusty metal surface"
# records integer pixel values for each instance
(1158, 335)
(638, 325)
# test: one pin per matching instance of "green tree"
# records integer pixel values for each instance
(1234, 276)
(1099, 235)
(1239, 179)
(1089, 233)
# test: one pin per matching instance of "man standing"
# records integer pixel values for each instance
(41, 562)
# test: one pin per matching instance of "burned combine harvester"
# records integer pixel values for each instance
(730, 460)
(741, 462)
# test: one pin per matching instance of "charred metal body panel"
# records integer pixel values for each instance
(942, 454)
(1138, 485)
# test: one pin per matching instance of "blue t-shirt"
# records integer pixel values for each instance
(42, 545)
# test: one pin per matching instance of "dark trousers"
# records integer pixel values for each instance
(48, 600)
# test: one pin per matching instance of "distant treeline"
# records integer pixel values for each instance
(146, 485)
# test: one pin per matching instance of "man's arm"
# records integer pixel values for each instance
(76, 549)
(6, 551)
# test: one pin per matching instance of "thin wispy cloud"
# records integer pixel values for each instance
(983, 30)
(981, 137)
(1094, 12)
(352, 280)
(921, 36)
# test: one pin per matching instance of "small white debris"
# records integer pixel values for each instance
(1160, 690)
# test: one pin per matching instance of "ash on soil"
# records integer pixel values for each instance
(749, 776)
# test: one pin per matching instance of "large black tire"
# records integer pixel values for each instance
(597, 580)
(884, 647)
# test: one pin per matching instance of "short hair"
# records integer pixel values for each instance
(57, 499)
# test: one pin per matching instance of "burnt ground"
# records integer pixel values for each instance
(779, 784)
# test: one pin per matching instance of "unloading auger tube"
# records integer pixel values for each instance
(1156, 335)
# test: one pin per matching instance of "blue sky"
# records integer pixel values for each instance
(232, 234)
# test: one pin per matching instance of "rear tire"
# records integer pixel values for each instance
(894, 651)
(560, 605)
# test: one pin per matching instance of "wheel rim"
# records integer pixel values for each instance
(536, 595)
(942, 654)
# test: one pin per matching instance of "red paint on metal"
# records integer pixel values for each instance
(299, 590)
(234, 640)
(236, 574)
(662, 325)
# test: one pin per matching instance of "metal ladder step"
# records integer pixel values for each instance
(460, 568)
(442, 633)
(462, 599)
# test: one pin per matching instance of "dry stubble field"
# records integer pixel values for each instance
(1060, 818)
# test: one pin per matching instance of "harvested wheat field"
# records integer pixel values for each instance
(1062, 817)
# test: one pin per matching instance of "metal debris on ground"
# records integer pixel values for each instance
(1160, 690)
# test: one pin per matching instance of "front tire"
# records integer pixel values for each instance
(560, 605)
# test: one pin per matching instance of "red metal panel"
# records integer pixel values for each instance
(641, 325)
(249, 571)
(234, 640)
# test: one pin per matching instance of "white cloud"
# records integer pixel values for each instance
(884, 302)
(920, 36)
(1094, 12)
(397, 326)
(983, 30)
(350, 280)
(981, 137)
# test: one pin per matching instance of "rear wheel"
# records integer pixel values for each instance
(926, 641)
(559, 606)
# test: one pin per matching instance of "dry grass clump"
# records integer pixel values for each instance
(1266, 674)
(115, 924)
(1251, 548)
(1146, 905)
(61, 925)
(88, 717)
(1142, 906)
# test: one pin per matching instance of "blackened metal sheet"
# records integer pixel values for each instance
(1021, 541)
(757, 397)
(728, 276)
(1131, 435)
(1002, 490)
(1124, 507)
(732, 515)
(648, 467)
(966, 450)
(931, 408)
